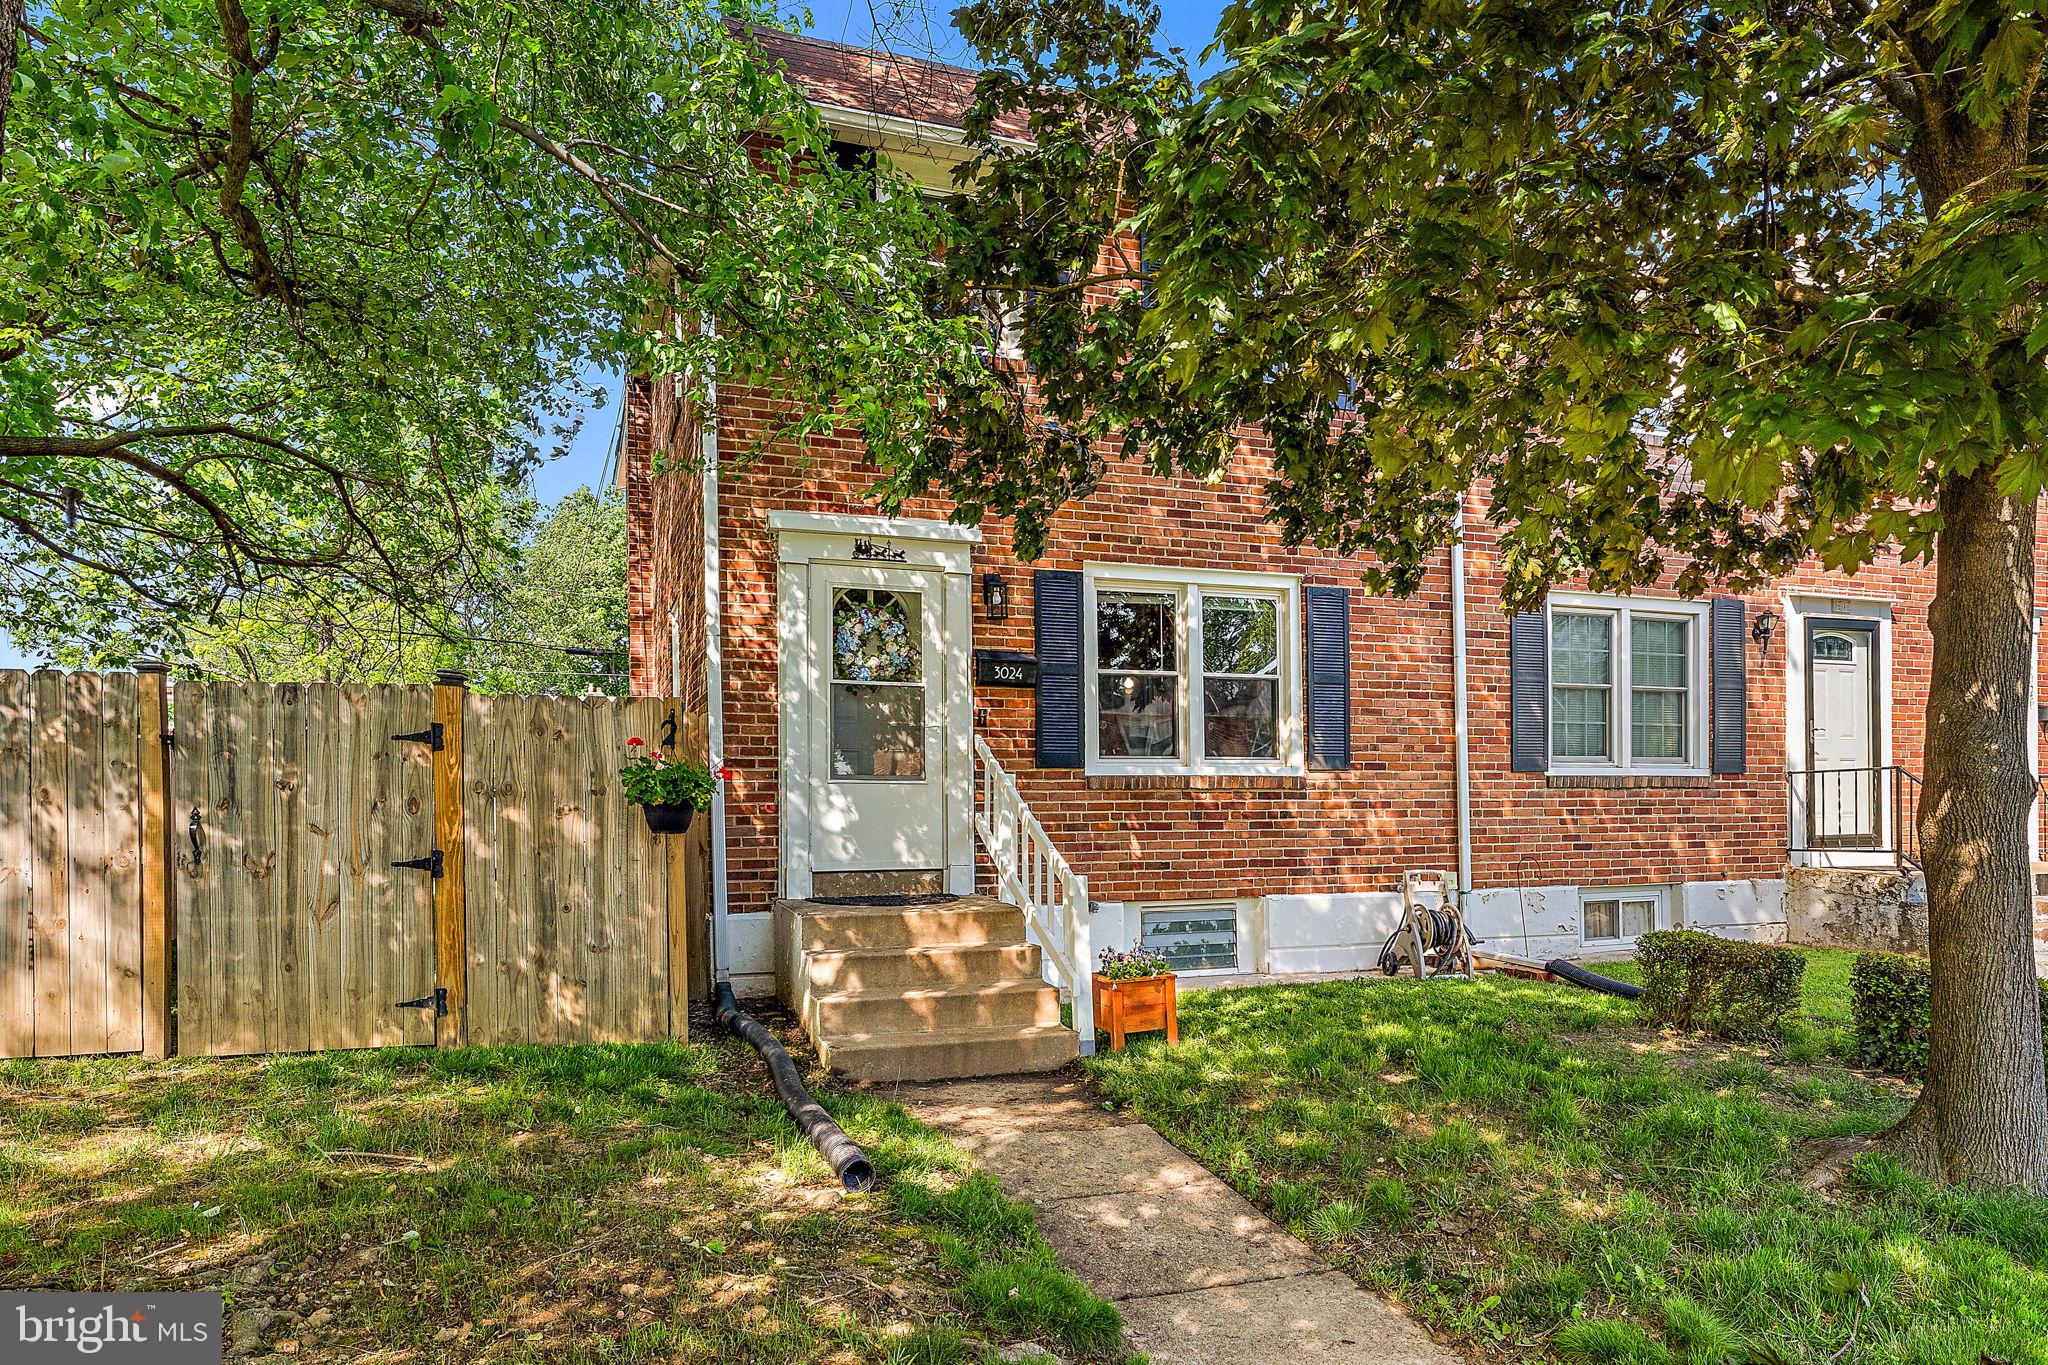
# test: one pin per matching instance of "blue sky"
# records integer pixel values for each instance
(913, 30)
(926, 29)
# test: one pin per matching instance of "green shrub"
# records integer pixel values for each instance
(1891, 1004)
(1719, 985)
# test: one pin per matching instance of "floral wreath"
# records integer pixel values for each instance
(871, 642)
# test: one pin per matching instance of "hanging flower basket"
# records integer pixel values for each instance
(669, 791)
(667, 819)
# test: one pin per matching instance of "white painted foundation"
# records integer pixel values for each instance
(1344, 931)
(750, 954)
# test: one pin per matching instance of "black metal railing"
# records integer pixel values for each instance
(1855, 810)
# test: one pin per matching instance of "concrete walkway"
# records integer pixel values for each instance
(1200, 1275)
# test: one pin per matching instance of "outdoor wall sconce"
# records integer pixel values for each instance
(1761, 629)
(995, 595)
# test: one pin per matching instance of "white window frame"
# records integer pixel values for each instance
(1187, 586)
(1661, 895)
(1620, 736)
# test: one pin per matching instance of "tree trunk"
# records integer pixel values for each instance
(1983, 1114)
(11, 13)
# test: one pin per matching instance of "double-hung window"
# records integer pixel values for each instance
(1192, 671)
(1628, 684)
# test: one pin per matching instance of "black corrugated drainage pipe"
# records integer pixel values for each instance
(847, 1161)
(1592, 981)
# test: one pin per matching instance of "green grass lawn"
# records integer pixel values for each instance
(614, 1203)
(1530, 1170)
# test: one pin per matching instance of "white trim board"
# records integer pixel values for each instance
(784, 520)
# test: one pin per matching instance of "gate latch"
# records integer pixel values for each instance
(429, 864)
(439, 1001)
(432, 737)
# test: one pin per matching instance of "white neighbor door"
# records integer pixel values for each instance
(1841, 671)
(878, 719)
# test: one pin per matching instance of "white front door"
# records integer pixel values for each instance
(878, 719)
(1844, 787)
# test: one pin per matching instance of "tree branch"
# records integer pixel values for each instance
(413, 16)
(233, 165)
(28, 531)
(88, 447)
(606, 191)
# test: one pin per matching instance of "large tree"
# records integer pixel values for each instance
(1701, 289)
(285, 283)
(567, 593)
(545, 613)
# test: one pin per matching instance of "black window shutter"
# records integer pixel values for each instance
(1529, 692)
(1730, 727)
(1056, 614)
(1329, 675)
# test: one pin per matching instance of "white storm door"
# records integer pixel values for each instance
(1843, 786)
(878, 719)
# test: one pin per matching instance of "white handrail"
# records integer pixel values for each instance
(1031, 875)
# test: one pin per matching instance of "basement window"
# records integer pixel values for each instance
(1618, 917)
(1197, 936)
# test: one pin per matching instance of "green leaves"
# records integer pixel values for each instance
(338, 272)
(1662, 277)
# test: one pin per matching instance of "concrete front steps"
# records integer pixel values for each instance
(919, 992)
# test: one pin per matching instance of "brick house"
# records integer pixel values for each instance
(1238, 748)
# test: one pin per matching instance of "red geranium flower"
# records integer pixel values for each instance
(635, 742)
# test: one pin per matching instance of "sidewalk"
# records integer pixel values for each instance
(1200, 1275)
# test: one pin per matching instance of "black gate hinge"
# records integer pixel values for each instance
(429, 864)
(439, 1000)
(432, 737)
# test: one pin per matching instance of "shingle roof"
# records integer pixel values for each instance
(884, 83)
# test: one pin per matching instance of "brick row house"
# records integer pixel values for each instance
(1237, 747)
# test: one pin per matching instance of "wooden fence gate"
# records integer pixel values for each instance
(363, 867)
(338, 867)
(291, 806)
(570, 900)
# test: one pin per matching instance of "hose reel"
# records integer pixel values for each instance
(1431, 939)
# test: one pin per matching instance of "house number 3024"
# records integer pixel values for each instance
(1004, 668)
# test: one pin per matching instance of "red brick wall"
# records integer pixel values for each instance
(1538, 829)
(1159, 838)
(1146, 838)
(661, 462)
(1533, 829)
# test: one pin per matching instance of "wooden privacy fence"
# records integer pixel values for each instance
(81, 864)
(347, 867)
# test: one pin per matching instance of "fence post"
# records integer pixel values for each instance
(155, 864)
(451, 924)
(686, 886)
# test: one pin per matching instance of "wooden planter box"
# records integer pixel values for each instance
(1135, 1006)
